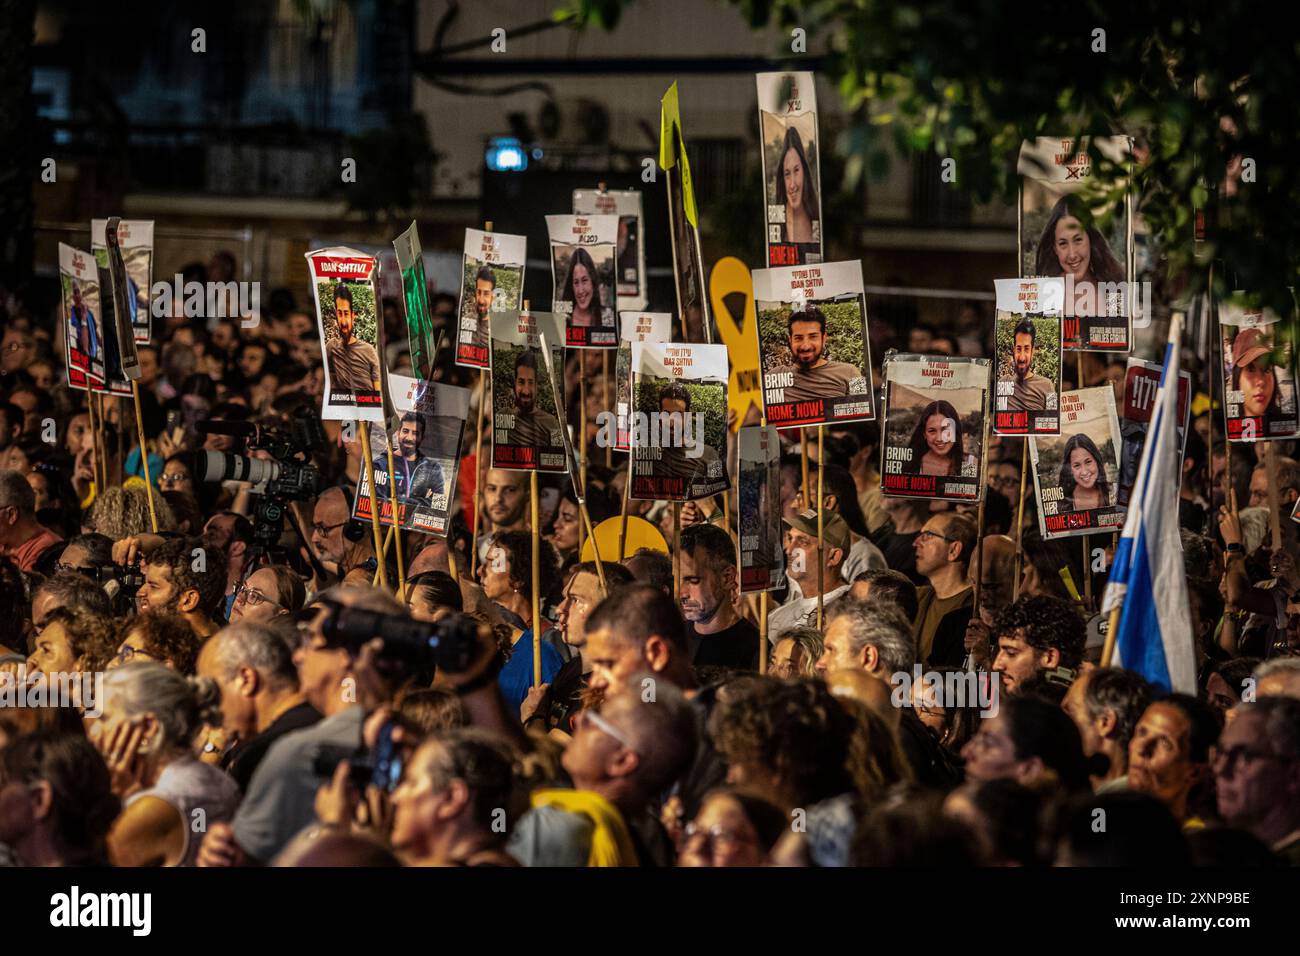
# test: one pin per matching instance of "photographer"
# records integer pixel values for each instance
(342, 683)
(68, 590)
(181, 575)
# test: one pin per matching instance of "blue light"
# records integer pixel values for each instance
(505, 154)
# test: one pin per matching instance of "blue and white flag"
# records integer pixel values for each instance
(1147, 579)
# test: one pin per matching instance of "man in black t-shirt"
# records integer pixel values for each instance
(717, 634)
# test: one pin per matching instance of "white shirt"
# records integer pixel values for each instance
(798, 612)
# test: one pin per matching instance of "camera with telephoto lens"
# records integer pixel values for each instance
(410, 646)
(288, 475)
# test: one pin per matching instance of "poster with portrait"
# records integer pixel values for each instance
(1076, 473)
(582, 268)
(492, 283)
(633, 327)
(629, 256)
(1027, 356)
(342, 282)
(762, 559)
(79, 286)
(135, 239)
(934, 427)
(791, 154)
(1141, 381)
(425, 440)
(813, 344)
(526, 428)
(1259, 373)
(421, 339)
(683, 222)
(1068, 229)
(679, 421)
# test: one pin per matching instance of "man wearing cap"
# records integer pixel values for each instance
(1031, 389)
(944, 606)
(801, 557)
(815, 376)
(1253, 375)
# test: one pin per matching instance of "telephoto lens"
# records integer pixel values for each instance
(214, 466)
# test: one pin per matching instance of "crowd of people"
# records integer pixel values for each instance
(194, 694)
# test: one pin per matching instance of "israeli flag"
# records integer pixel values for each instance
(1147, 580)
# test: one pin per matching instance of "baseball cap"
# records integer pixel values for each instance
(1249, 345)
(834, 528)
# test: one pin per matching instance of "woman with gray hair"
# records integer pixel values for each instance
(150, 716)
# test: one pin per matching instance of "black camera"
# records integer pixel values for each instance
(451, 644)
(288, 475)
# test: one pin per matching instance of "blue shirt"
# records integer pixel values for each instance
(516, 678)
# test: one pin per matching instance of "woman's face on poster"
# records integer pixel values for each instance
(1257, 385)
(584, 287)
(940, 433)
(1073, 250)
(792, 172)
(1084, 468)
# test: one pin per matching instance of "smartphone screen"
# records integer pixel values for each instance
(387, 761)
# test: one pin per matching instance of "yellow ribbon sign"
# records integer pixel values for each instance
(737, 321)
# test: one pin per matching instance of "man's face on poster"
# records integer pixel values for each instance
(525, 388)
(1023, 355)
(807, 341)
(343, 314)
(482, 297)
(76, 295)
(408, 439)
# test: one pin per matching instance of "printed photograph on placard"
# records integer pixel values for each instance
(1076, 473)
(79, 282)
(492, 283)
(349, 332)
(787, 116)
(426, 456)
(135, 238)
(679, 420)
(1027, 356)
(582, 268)
(762, 559)
(526, 430)
(934, 427)
(1065, 231)
(629, 256)
(633, 327)
(1259, 374)
(1141, 382)
(813, 344)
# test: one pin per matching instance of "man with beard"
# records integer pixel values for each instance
(1031, 389)
(354, 364)
(82, 321)
(533, 427)
(694, 465)
(815, 376)
(710, 588)
(485, 285)
(418, 478)
(505, 505)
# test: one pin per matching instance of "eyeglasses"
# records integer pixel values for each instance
(253, 598)
(324, 529)
(604, 726)
(933, 534)
(714, 835)
(172, 478)
(129, 653)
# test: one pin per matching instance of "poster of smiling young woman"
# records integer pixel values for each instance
(583, 252)
(813, 347)
(629, 258)
(1027, 356)
(1259, 373)
(492, 282)
(426, 456)
(1076, 473)
(1066, 230)
(787, 119)
(527, 434)
(934, 427)
(349, 333)
(679, 421)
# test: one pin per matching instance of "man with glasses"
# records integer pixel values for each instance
(944, 605)
(330, 515)
(88, 555)
(1257, 770)
(621, 759)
